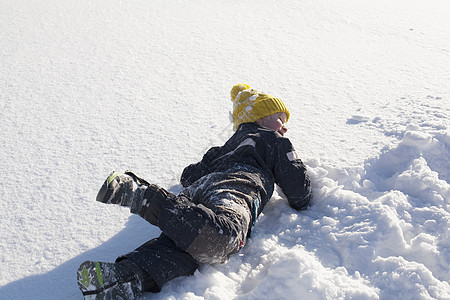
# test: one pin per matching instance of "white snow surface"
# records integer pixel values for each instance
(87, 87)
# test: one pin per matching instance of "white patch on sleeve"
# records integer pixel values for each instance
(247, 142)
(292, 155)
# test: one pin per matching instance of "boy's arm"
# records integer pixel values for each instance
(195, 171)
(290, 175)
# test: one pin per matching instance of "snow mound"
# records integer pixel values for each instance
(373, 232)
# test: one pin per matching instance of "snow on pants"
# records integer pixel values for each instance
(210, 219)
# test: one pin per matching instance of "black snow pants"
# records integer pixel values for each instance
(205, 223)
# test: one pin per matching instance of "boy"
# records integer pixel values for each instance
(214, 214)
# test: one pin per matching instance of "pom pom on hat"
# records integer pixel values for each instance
(237, 89)
(250, 105)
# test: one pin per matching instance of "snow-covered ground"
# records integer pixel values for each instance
(87, 87)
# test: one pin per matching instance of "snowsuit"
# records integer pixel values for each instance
(223, 195)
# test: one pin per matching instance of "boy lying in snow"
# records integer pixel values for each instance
(213, 215)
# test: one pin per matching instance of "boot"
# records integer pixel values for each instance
(110, 281)
(123, 189)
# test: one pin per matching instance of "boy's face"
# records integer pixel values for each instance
(275, 122)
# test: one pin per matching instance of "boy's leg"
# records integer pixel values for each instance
(145, 269)
(208, 236)
(162, 260)
(143, 198)
(211, 218)
(154, 198)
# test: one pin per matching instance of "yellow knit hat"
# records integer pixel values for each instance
(250, 105)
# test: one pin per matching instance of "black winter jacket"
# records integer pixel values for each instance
(260, 152)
